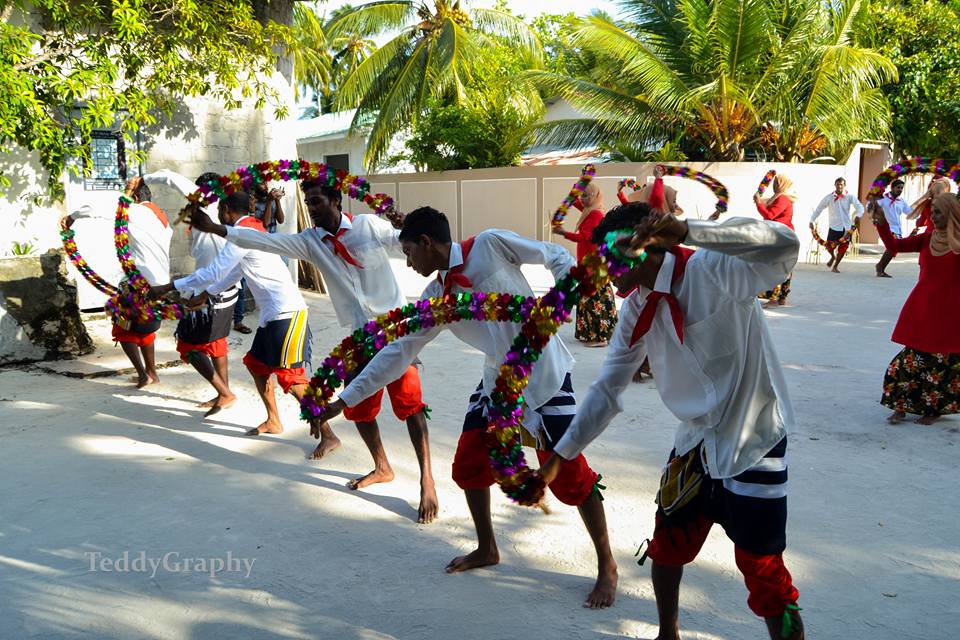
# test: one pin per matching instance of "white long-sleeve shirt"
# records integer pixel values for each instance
(268, 278)
(839, 209)
(357, 294)
(149, 239)
(724, 382)
(893, 209)
(204, 247)
(492, 266)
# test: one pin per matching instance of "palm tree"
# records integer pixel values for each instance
(782, 77)
(431, 56)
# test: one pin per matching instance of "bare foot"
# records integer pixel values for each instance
(883, 274)
(604, 591)
(474, 560)
(830, 262)
(668, 635)
(374, 477)
(152, 378)
(834, 270)
(926, 419)
(220, 404)
(638, 376)
(327, 445)
(897, 416)
(266, 427)
(208, 403)
(429, 505)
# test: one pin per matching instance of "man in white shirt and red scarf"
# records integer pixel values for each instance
(718, 372)
(491, 262)
(281, 345)
(352, 255)
(893, 207)
(150, 235)
(838, 204)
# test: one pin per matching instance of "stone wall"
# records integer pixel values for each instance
(39, 315)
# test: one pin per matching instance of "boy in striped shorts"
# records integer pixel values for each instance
(717, 371)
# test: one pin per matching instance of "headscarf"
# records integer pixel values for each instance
(945, 240)
(783, 186)
(591, 192)
(936, 187)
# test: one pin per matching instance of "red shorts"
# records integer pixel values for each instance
(405, 397)
(286, 377)
(215, 349)
(471, 470)
(126, 336)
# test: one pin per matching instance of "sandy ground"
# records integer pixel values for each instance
(92, 466)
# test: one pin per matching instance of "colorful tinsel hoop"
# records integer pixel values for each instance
(245, 178)
(717, 187)
(67, 236)
(830, 245)
(765, 182)
(910, 166)
(586, 175)
(539, 318)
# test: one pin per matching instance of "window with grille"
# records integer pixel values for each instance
(108, 161)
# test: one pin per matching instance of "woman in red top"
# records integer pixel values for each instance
(779, 208)
(924, 378)
(596, 315)
(922, 207)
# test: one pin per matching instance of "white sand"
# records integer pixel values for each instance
(95, 466)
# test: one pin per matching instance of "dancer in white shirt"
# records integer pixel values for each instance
(718, 372)
(352, 255)
(839, 204)
(202, 333)
(490, 262)
(150, 235)
(893, 206)
(281, 346)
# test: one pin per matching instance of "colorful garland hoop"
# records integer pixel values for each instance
(912, 165)
(130, 300)
(720, 191)
(540, 319)
(830, 245)
(586, 175)
(765, 182)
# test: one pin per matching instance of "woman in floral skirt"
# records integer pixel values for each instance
(597, 314)
(924, 378)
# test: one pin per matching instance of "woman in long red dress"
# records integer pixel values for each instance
(597, 314)
(779, 208)
(924, 378)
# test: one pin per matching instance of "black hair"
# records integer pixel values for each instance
(896, 182)
(237, 201)
(332, 194)
(425, 221)
(840, 179)
(207, 178)
(143, 193)
(625, 216)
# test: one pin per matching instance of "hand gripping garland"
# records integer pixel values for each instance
(720, 191)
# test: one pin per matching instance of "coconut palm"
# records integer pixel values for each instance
(783, 77)
(430, 56)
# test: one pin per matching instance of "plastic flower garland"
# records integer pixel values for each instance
(765, 181)
(723, 196)
(912, 165)
(131, 299)
(539, 318)
(586, 175)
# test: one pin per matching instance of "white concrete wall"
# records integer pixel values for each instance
(317, 150)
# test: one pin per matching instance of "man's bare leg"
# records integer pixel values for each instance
(205, 367)
(666, 588)
(420, 437)
(486, 553)
(882, 265)
(832, 258)
(840, 253)
(272, 424)
(382, 472)
(132, 352)
(605, 590)
(150, 362)
(221, 367)
(318, 429)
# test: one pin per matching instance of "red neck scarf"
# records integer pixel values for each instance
(455, 274)
(837, 196)
(157, 211)
(645, 320)
(656, 199)
(339, 248)
(250, 222)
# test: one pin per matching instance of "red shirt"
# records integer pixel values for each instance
(930, 317)
(780, 210)
(583, 232)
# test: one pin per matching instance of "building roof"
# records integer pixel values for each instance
(549, 158)
(325, 127)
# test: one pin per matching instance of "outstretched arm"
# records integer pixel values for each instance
(520, 250)
(171, 179)
(910, 244)
(224, 265)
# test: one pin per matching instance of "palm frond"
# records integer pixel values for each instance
(359, 84)
(510, 29)
(373, 18)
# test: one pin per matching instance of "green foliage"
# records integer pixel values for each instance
(125, 62)
(921, 38)
(779, 77)
(430, 60)
(23, 248)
